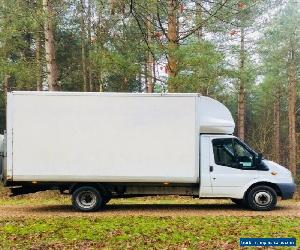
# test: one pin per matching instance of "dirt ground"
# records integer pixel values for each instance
(282, 209)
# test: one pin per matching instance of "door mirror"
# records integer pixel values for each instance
(258, 159)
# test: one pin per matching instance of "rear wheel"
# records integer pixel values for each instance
(262, 198)
(87, 199)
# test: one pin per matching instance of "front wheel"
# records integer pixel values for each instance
(87, 199)
(262, 198)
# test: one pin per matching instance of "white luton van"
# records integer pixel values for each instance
(98, 146)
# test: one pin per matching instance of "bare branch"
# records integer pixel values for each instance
(143, 33)
(201, 24)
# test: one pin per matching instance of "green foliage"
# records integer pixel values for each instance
(68, 56)
(274, 48)
(16, 37)
(142, 232)
(201, 66)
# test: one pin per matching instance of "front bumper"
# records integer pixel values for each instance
(287, 190)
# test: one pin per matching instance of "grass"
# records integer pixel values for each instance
(42, 198)
(54, 198)
(141, 232)
(134, 232)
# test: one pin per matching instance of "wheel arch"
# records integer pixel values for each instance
(264, 183)
(98, 186)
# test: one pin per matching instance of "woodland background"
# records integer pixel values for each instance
(244, 53)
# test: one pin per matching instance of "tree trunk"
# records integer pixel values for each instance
(276, 143)
(5, 90)
(124, 86)
(89, 27)
(100, 86)
(154, 74)
(140, 80)
(39, 71)
(112, 7)
(292, 112)
(6, 87)
(145, 70)
(83, 48)
(123, 6)
(172, 42)
(150, 85)
(242, 94)
(199, 19)
(52, 70)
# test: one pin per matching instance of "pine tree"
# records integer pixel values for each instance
(52, 69)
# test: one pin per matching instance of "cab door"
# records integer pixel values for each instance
(230, 170)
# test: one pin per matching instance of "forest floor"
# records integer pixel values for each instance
(47, 220)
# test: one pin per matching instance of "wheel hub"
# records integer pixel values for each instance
(263, 198)
(86, 199)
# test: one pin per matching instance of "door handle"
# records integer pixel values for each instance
(211, 168)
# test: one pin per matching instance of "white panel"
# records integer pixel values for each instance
(9, 131)
(104, 137)
(214, 117)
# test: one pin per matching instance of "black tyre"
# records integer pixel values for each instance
(261, 198)
(87, 199)
(239, 202)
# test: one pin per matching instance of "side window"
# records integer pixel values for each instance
(243, 156)
(223, 151)
(232, 153)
